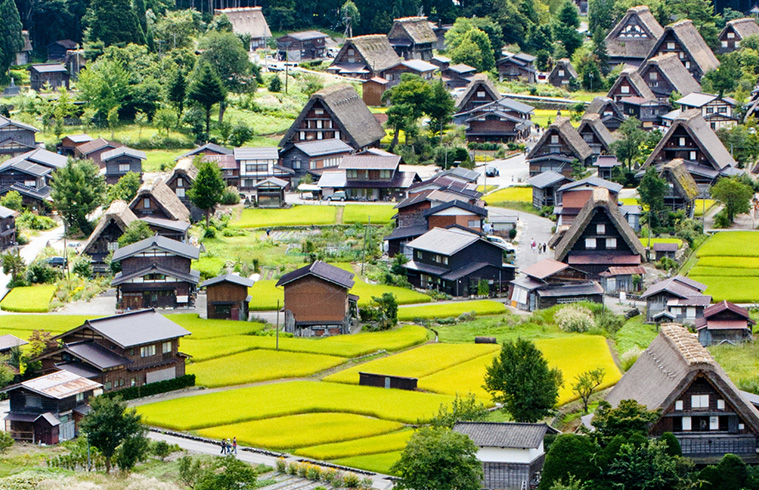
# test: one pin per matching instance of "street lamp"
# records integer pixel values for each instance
(591, 80)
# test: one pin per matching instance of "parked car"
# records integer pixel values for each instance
(56, 261)
(500, 242)
(492, 172)
(337, 196)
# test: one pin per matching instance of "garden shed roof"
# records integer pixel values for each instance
(516, 435)
(232, 278)
(322, 270)
(58, 385)
(545, 268)
(9, 341)
(547, 178)
(676, 173)
(564, 290)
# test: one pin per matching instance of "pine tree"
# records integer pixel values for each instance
(206, 90)
(599, 50)
(207, 190)
(11, 41)
(112, 22)
(176, 93)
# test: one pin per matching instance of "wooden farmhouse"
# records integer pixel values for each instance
(455, 260)
(544, 187)
(56, 50)
(662, 250)
(572, 197)
(718, 112)
(364, 57)
(724, 322)
(630, 41)
(120, 161)
(665, 74)
(550, 282)
(248, 21)
(630, 84)
(699, 403)
(606, 165)
(502, 121)
(595, 134)
(54, 75)
(302, 46)
(691, 139)
(7, 228)
(120, 351)
(205, 150)
(335, 112)
(611, 115)
(676, 299)
(259, 164)
(600, 238)
(736, 31)
(621, 279)
(29, 174)
(169, 228)
(648, 111)
(682, 190)
(511, 453)
(104, 239)
(227, 297)
(559, 145)
(270, 193)
(368, 175)
(314, 156)
(317, 300)
(180, 181)
(563, 74)
(157, 200)
(155, 272)
(412, 38)
(420, 68)
(94, 149)
(519, 67)
(16, 137)
(479, 92)
(683, 39)
(68, 144)
(48, 409)
(457, 76)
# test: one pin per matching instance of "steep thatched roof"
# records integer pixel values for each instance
(184, 166)
(691, 41)
(416, 29)
(481, 81)
(636, 42)
(676, 173)
(669, 366)
(593, 122)
(563, 64)
(247, 20)
(119, 213)
(375, 49)
(344, 105)
(632, 77)
(599, 104)
(600, 201)
(165, 197)
(563, 127)
(674, 71)
(706, 139)
(744, 27)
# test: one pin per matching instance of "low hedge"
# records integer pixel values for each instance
(153, 388)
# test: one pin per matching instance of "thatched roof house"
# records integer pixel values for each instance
(632, 38)
(666, 74)
(595, 134)
(412, 38)
(365, 57)
(559, 145)
(683, 38)
(157, 200)
(111, 226)
(480, 91)
(248, 21)
(630, 84)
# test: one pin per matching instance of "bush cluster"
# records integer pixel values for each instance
(574, 318)
(153, 388)
(330, 476)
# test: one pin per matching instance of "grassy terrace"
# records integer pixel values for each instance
(728, 263)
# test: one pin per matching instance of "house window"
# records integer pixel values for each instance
(737, 44)
(699, 401)
(113, 246)
(590, 243)
(693, 156)
(296, 164)
(480, 93)
(682, 141)
(561, 73)
(146, 203)
(351, 174)
(687, 64)
(653, 76)
(180, 192)
(611, 243)
(731, 35)
(123, 168)
(601, 229)
(473, 223)
(319, 124)
(166, 348)
(713, 423)
(686, 424)
(107, 386)
(385, 174)
(554, 139)
(722, 110)
(320, 135)
(318, 112)
(147, 351)
(679, 405)
(180, 183)
(79, 397)
(670, 45)
(302, 135)
(33, 401)
(419, 255)
(720, 404)
(690, 312)
(132, 382)
(724, 44)
(351, 52)
(710, 110)
(30, 183)
(625, 89)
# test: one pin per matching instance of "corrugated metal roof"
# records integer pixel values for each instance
(263, 153)
(505, 434)
(370, 162)
(544, 268)
(61, 384)
(121, 151)
(323, 147)
(233, 278)
(442, 241)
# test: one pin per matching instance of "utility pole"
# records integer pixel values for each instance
(277, 344)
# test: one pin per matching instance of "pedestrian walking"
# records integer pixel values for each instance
(532, 244)
(234, 444)
(223, 446)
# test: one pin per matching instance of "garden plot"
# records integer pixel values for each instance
(259, 365)
(295, 431)
(291, 398)
(32, 299)
(417, 363)
(380, 214)
(728, 263)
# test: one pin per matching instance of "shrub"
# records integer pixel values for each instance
(40, 272)
(574, 318)
(161, 449)
(153, 388)
(629, 357)
(22, 239)
(722, 220)
(281, 465)
(329, 475)
(292, 469)
(210, 232)
(83, 266)
(230, 196)
(366, 483)
(666, 264)
(31, 221)
(351, 480)
(302, 470)
(313, 473)
(610, 322)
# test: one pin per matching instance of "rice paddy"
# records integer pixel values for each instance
(32, 299)
(728, 263)
(445, 310)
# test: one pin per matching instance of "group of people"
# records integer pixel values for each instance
(540, 247)
(229, 447)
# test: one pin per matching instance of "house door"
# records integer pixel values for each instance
(611, 284)
(234, 314)
(66, 431)
(150, 299)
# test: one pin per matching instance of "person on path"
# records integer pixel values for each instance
(223, 446)
(234, 444)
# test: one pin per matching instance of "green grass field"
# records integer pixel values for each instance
(209, 329)
(731, 244)
(395, 441)
(23, 325)
(361, 213)
(445, 310)
(32, 299)
(259, 365)
(295, 216)
(301, 430)
(654, 241)
(265, 295)
(379, 463)
(741, 362)
(416, 363)
(291, 398)
(161, 158)
(510, 194)
(728, 263)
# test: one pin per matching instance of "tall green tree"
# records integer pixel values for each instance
(734, 195)
(701, 12)
(11, 41)
(600, 52)
(104, 85)
(600, 16)
(520, 379)
(176, 91)
(225, 53)
(112, 22)
(652, 189)
(206, 90)
(482, 56)
(724, 79)
(627, 147)
(207, 190)
(646, 467)
(439, 107)
(570, 456)
(125, 189)
(77, 190)
(136, 231)
(629, 418)
(109, 425)
(439, 459)
(408, 101)
(565, 28)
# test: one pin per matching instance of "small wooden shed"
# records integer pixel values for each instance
(227, 297)
(270, 193)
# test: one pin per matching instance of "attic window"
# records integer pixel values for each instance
(670, 45)
(682, 141)
(720, 404)
(318, 112)
(601, 229)
(561, 73)
(653, 76)
(693, 156)
(611, 243)
(731, 35)
(699, 401)
(480, 93)
(555, 139)
(590, 243)
(679, 405)
(724, 44)
(351, 52)
(146, 203)
(625, 89)
(180, 183)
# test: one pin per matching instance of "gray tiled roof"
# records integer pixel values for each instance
(504, 434)
(445, 242)
(161, 243)
(121, 151)
(321, 270)
(323, 147)
(264, 153)
(233, 278)
(547, 178)
(96, 355)
(135, 328)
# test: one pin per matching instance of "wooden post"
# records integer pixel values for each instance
(277, 344)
